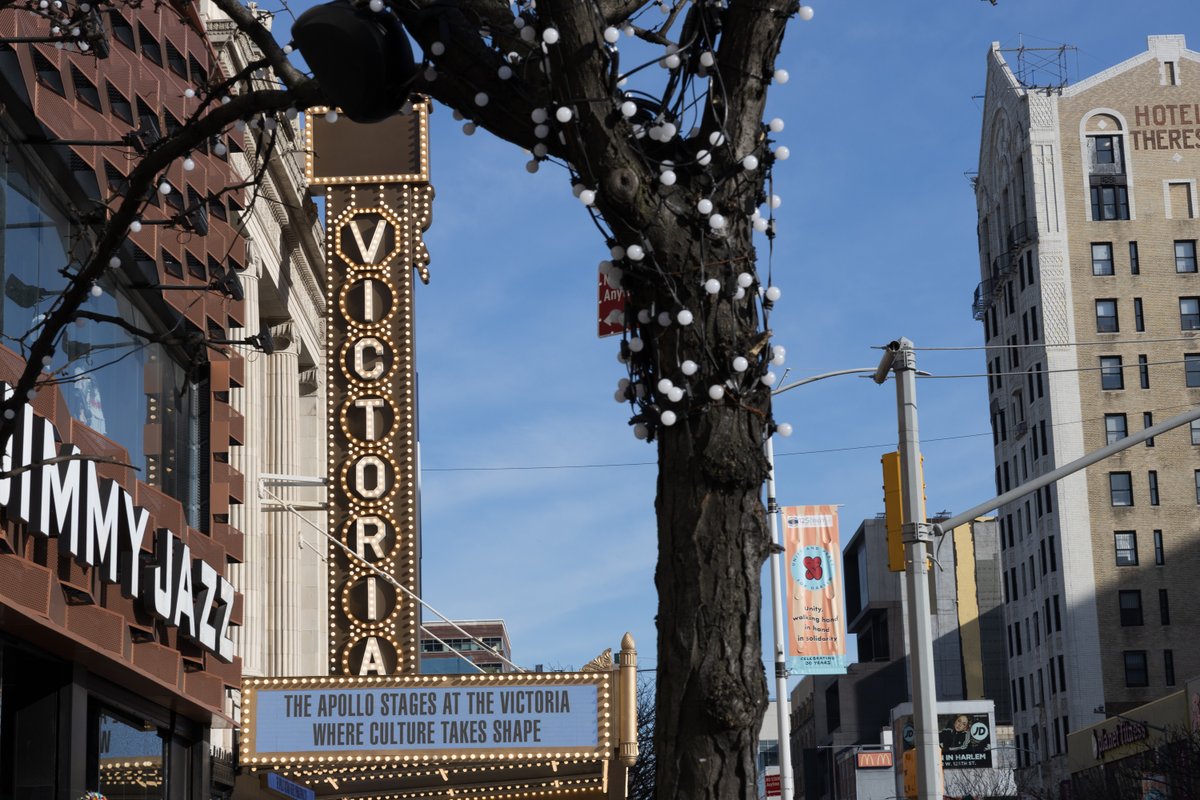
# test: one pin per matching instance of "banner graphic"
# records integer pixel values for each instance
(817, 625)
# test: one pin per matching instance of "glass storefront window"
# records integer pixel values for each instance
(132, 759)
(98, 365)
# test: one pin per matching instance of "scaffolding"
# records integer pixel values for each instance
(1041, 68)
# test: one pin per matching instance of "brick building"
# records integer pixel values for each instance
(1090, 303)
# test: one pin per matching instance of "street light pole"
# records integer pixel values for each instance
(900, 358)
(782, 700)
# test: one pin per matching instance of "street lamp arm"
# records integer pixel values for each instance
(821, 377)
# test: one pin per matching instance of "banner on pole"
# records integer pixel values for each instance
(817, 625)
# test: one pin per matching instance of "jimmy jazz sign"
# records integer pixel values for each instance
(98, 525)
(374, 225)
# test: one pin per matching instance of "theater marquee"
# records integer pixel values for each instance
(423, 718)
(374, 220)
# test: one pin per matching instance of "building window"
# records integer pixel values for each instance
(48, 74)
(1148, 422)
(1120, 488)
(1194, 427)
(1136, 674)
(1143, 372)
(1164, 607)
(1153, 480)
(176, 61)
(1159, 556)
(85, 91)
(1057, 616)
(1126, 546)
(119, 105)
(1106, 150)
(1135, 267)
(1189, 313)
(1197, 474)
(1110, 202)
(1169, 666)
(1191, 369)
(1102, 258)
(1185, 256)
(1106, 316)
(1139, 319)
(199, 73)
(1115, 428)
(121, 29)
(151, 49)
(1130, 601)
(1179, 200)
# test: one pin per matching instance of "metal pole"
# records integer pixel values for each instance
(782, 701)
(917, 537)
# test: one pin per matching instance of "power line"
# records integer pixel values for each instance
(1103, 343)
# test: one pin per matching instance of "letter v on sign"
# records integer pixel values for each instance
(369, 252)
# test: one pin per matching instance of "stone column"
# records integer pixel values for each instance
(282, 529)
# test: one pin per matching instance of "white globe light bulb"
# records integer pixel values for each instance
(773, 293)
(744, 279)
(769, 379)
(778, 356)
(331, 116)
(628, 108)
(667, 178)
(188, 165)
(550, 36)
(703, 158)
(716, 138)
(623, 384)
(684, 317)
(619, 396)
(189, 93)
(667, 418)
(750, 163)
(458, 115)
(776, 201)
(712, 286)
(641, 431)
(776, 125)
(164, 188)
(739, 294)
(629, 31)
(611, 35)
(716, 392)
(665, 386)
(707, 59)
(635, 252)
(760, 225)
(688, 367)
(740, 364)
(481, 99)
(806, 13)
(504, 72)
(644, 316)
(539, 115)
(532, 166)
(636, 344)
(540, 150)
(376, 6)
(220, 149)
(716, 222)
(783, 152)
(664, 318)
(114, 262)
(135, 227)
(518, 23)
(563, 114)
(781, 76)
(616, 252)
(541, 131)
(784, 429)
(469, 128)
(675, 394)
(96, 290)
(587, 197)
(528, 34)
(671, 62)
(705, 206)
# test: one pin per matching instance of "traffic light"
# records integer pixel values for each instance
(893, 504)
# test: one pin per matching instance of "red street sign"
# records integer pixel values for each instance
(772, 785)
(611, 304)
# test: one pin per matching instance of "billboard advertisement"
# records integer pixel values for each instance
(816, 622)
(965, 739)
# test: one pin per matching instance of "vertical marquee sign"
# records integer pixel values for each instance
(377, 204)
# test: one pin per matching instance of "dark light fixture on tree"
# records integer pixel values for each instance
(361, 58)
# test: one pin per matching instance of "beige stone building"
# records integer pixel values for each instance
(1090, 302)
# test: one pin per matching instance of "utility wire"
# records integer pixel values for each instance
(1103, 343)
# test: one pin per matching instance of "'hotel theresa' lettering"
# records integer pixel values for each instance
(98, 525)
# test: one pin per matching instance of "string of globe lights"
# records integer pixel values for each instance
(661, 121)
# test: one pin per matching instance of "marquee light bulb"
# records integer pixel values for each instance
(667, 418)
(611, 35)
(773, 293)
(688, 367)
(716, 392)
(784, 429)
(740, 364)
(635, 252)
(712, 286)
(705, 206)
(684, 317)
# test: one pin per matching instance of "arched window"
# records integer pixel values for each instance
(1105, 162)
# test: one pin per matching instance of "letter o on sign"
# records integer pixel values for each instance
(371, 480)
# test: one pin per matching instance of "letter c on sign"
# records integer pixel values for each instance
(360, 362)
(378, 480)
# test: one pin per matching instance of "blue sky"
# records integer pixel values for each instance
(877, 240)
